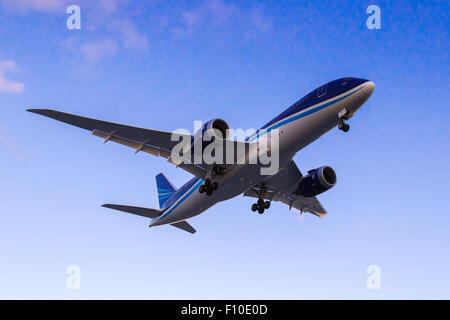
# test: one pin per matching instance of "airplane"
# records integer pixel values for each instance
(321, 110)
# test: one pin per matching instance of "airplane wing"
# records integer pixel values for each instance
(280, 186)
(157, 143)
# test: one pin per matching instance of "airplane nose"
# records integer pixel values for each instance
(369, 88)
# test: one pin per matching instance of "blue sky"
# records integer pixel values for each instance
(163, 65)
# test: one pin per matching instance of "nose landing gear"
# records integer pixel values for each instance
(343, 116)
(343, 126)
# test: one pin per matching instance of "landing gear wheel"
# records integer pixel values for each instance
(208, 187)
(260, 204)
(343, 126)
(346, 127)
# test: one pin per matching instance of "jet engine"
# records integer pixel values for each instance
(316, 182)
(216, 128)
(213, 130)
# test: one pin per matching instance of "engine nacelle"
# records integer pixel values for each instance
(216, 128)
(209, 132)
(316, 182)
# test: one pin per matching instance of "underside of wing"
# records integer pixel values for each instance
(304, 204)
(157, 143)
(281, 187)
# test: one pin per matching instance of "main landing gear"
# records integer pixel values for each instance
(343, 126)
(208, 187)
(260, 206)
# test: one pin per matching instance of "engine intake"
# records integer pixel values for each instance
(216, 128)
(316, 182)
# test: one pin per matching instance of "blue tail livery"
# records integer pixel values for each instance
(165, 189)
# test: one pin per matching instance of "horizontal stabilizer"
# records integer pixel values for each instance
(183, 225)
(144, 212)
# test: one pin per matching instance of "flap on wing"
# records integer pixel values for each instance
(183, 225)
(144, 212)
(146, 147)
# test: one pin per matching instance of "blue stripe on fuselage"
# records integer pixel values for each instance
(300, 115)
(182, 197)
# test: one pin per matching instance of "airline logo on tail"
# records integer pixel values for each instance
(165, 189)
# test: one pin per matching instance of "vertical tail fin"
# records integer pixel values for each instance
(165, 189)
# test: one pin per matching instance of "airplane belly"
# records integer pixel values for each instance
(238, 179)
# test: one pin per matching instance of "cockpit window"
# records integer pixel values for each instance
(345, 81)
(322, 91)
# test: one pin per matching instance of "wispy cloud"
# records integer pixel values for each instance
(218, 14)
(7, 85)
(213, 12)
(111, 6)
(98, 49)
(34, 5)
(112, 23)
(108, 25)
(130, 36)
(260, 21)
